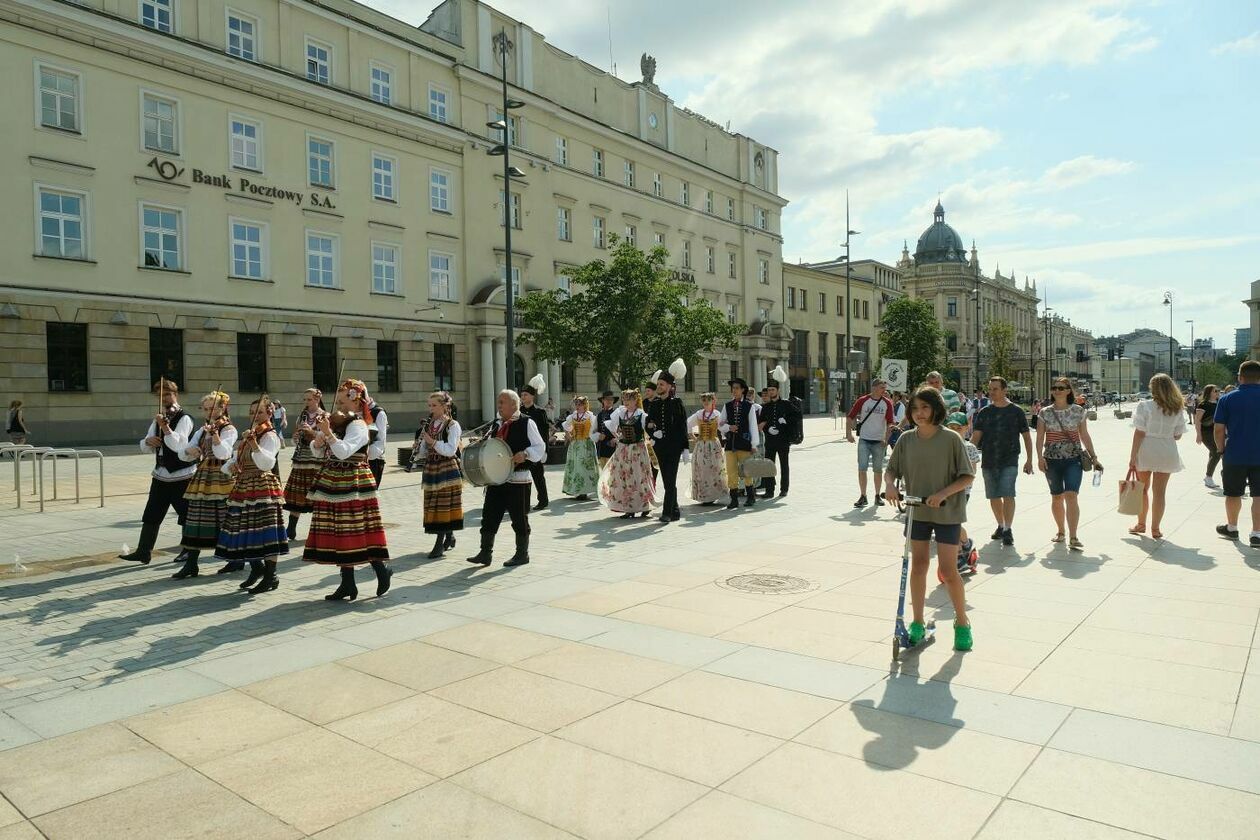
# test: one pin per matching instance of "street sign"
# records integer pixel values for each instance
(893, 371)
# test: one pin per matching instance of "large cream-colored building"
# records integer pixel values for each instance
(255, 192)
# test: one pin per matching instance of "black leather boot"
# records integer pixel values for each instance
(144, 551)
(750, 496)
(383, 576)
(483, 557)
(269, 580)
(521, 557)
(182, 557)
(734, 502)
(346, 589)
(291, 531)
(255, 574)
(450, 539)
(439, 547)
(230, 566)
(768, 486)
(190, 566)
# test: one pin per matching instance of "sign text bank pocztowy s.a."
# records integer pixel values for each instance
(168, 171)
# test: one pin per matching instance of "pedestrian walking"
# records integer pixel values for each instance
(933, 463)
(280, 421)
(952, 401)
(1237, 431)
(1158, 423)
(17, 423)
(872, 419)
(1063, 448)
(997, 431)
(1204, 423)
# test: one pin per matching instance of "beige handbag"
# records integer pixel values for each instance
(1131, 490)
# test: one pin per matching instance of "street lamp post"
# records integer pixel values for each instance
(503, 46)
(1190, 321)
(848, 301)
(1168, 301)
(977, 329)
(1049, 334)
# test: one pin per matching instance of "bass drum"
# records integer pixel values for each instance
(488, 461)
(758, 466)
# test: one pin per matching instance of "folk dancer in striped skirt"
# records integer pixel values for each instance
(253, 530)
(581, 469)
(437, 443)
(208, 492)
(305, 465)
(346, 527)
(708, 462)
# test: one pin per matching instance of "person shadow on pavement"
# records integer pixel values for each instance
(896, 745)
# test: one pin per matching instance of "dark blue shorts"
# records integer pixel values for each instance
(1064, 475)
(945, 534)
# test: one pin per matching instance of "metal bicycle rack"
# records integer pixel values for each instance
(77, 455)
(34, 452)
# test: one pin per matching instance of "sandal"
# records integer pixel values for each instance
(1157, 535)
(1138, 530)
(1076, 545)
(1058, 538)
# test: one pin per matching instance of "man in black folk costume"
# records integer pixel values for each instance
(518, 431)
(740, 415)
(530, 408)
(667, 426)
(780, 424)
(168, 436)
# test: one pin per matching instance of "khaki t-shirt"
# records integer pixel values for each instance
(929, 465)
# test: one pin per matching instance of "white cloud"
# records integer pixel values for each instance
(1092, 252)
(1081, 170)
(1248, 43)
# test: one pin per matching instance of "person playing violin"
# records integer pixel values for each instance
(208, 491)
(167, 436)
(305, 464)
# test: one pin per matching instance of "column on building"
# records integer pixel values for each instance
(488, 391)
(553, 385)
(500, 374)
(757, 373)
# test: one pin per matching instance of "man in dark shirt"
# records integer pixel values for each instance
(779, 419)
(996, 431)
(531, 409)
(1237, 434)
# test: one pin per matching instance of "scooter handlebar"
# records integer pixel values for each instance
(912, 500)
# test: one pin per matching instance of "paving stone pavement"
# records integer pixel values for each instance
(612, 688)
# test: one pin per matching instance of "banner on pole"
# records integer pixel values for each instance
(893, 371)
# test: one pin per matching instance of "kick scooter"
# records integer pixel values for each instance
(901, 633)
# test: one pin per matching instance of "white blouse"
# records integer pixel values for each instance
(264, 456)
(356, 437)
(1150, 418)
(694, 421)
(227, 440)
(443, 447)
(619, 414)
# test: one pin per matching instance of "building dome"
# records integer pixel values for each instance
(940, 243)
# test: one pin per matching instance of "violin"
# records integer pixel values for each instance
(211, 429)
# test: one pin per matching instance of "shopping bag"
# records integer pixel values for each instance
(1130, 503)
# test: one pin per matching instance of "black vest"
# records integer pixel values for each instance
(165, 456)
(373, 432)
(517, 437)
(630, 430)
(738, 417)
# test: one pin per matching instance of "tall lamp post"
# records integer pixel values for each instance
(1049, 334)
(503, 46)
(1190, 321)
(1168, 301)
(976, 296)
(848, 301)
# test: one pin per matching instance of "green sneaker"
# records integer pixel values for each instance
(916, 632)
(962, 637)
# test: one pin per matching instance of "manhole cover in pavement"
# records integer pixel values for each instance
(768, 584)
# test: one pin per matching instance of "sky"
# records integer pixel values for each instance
(1108, 148)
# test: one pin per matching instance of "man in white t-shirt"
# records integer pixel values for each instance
(871, 418)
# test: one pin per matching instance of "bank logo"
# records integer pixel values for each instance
(165, 169)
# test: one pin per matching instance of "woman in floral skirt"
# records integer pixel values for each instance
(708, 461)
(346, 527)
(437, 445)
(626, 485)
(305, 464)
(581, 469)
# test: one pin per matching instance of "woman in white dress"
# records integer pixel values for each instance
(1158, 423)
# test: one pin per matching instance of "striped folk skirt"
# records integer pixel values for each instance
(207, 496)
(346, 527)
(443, 495)
(253, 528)
(306, 467)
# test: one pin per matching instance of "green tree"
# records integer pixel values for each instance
(626, 316)
(1000, 338)
(1213, 373)
(910, 331)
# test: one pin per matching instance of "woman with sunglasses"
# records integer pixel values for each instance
(1062, 439)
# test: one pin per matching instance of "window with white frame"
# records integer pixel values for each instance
(598, 232)
(763, 314)
(245, 142)
(62, 224)
(628, 175)
(158, 14)
(708, 201)
(440, 190)
(321, 260)
(730, 209)
(562, 151)
(161, 124)
(597, 162)
(759, 214)
(438, 99)
(241, 33)
(565, 285)
(732, 312)
(381, 84)
(384, 268)
(516, 209)
(658, 238)
(441, 276)
(516, 279)
(514, 128)
(318, 62)
(763, 272)
(632, 235)
(59, 99)
(657, 188)
(319, 155)
(791, 297)
(161, 235)
(822, 303)
(686, 253)
(564, 224)
(731, 259)
(248, 247)
(684, 193)
(710, 259)
(384, 169)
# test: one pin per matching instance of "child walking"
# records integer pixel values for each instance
(933, 463)
(967, 554)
